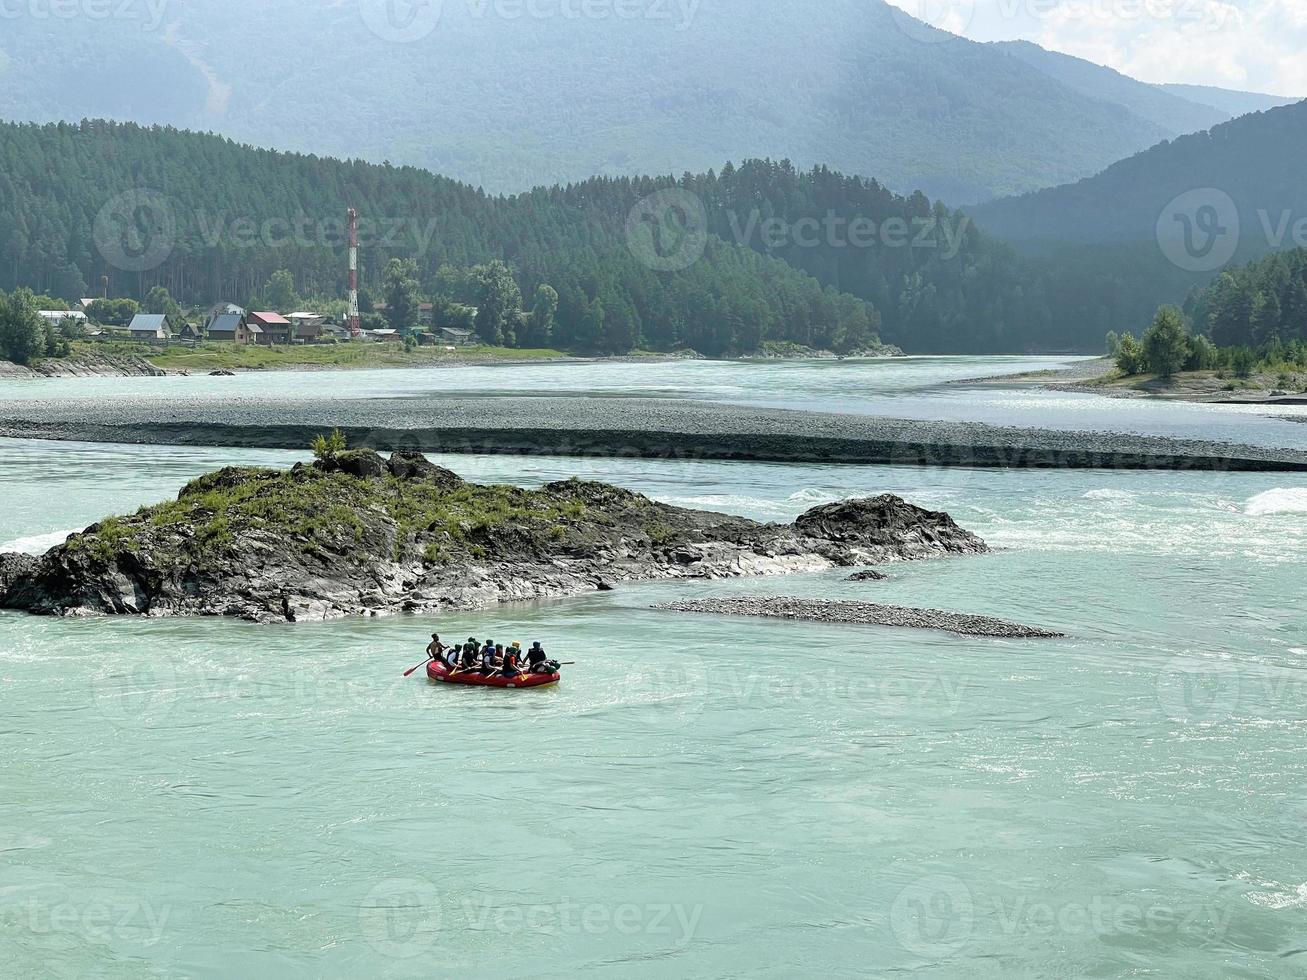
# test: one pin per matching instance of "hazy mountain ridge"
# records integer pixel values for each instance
(1256, 160)
(1174, 114)
(512, 103)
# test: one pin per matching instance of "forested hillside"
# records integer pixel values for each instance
(215, 220)
(1256, 304)
(759, 251)
(509, 102)
(1256, 160)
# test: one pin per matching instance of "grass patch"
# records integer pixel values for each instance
(234, 357)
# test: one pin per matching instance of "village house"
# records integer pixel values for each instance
(307, 327)
(337, 332)
(152, 328)
(456, 337)
(230, 328)
(270, 328)
(57, 317)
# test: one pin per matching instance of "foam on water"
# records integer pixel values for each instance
(1291, 500)
(37, 544)
(1109, 494)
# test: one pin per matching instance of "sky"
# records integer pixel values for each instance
(1253, 45)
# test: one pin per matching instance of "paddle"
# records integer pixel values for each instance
(409, 672)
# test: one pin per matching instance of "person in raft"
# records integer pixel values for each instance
(538, 662)
(436, 649)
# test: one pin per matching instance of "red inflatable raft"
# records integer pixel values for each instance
(439, 672)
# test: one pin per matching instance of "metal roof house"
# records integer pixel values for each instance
(230, 328)
(57, 317)
(152, 327)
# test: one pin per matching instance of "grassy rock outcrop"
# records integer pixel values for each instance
(357, 534)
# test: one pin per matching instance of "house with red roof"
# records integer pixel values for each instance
(273, 328)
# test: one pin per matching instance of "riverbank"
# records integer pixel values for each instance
(1204, 387)
(122, 359)
(83, 364)
(615, 427)
(1099, 376)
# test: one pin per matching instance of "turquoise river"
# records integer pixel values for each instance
(701, 796)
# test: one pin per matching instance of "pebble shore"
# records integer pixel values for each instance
(631, 427)
(860, 613)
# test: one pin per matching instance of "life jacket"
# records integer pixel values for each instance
(510, 660)
(535, 656)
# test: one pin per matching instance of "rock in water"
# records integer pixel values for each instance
(360, 534)
(868, 575)
(12, 568)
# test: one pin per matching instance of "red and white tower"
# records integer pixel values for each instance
(354, 330)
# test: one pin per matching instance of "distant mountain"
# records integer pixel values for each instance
(507, 102)
(1248, 172)
(1227, 101)
(1171, 112)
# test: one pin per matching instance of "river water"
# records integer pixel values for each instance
(701, 796)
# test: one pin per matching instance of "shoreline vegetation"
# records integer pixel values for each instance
(353, 534)
(1101, 376)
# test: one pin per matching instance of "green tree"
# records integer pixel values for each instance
(1129, 355)
(498, 302)
(327, 448)
(1166, 344)
(159, 300)
(22, 331)
(113, 312)
(1113, 342)
(279, 292)
(402, 296)
(544, 311)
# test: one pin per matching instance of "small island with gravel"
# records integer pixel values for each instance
(859, 614)
(356, 534)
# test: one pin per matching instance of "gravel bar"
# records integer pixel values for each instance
(860, 613)
(630, 427)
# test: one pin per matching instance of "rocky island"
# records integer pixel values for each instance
(355, 534)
